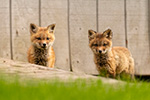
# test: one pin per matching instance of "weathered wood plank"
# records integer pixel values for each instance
(27, 71)
(56, 11)
(82, 17)
(24, 12)
(138, 34)
(111, 14)
(5, 29)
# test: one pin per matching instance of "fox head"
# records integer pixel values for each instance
(42, 37)
(100, 43)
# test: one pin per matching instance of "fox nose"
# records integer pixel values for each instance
(100, 51)
(44, 44)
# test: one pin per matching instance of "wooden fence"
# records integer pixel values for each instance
(129, 20)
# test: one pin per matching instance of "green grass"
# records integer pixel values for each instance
(14, 89)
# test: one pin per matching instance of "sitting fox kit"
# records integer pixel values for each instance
(112, 60)
(41, 51)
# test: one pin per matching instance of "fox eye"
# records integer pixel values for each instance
(95, 45)
(39, 38)
(104, 44)
(47, 38)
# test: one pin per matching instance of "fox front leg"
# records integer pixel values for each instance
(110, 70)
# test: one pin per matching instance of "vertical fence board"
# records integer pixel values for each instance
(138, 35)
(56, 11)
(24, 12)
(82, 18)
(5, 29)
(111, 14)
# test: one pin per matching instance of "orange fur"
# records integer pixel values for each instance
(41, 51)
(113, 60)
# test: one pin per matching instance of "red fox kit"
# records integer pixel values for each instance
(41, 51)
(112, 60)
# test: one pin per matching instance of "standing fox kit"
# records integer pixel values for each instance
(112, 60)
(41, 51)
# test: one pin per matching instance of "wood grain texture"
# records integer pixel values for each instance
(5, 29)
(30, 72)
(82, 18)
(24, 12)
(56, 11)
(111, 15)
(138, 34)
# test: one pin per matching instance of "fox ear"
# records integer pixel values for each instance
(51, 28)
(91, 34)
(33, 28)
(108, 34)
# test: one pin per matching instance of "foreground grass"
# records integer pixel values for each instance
(76, 90)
